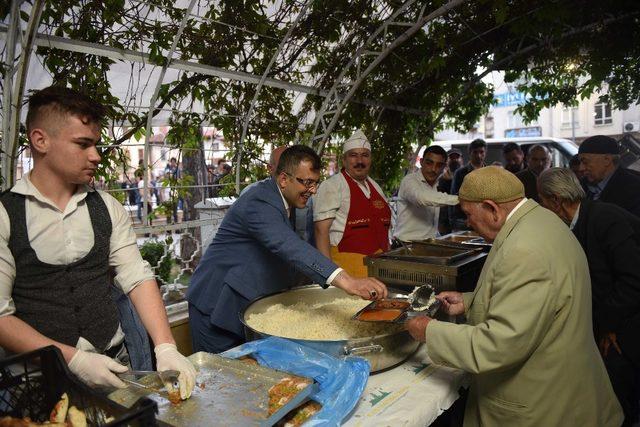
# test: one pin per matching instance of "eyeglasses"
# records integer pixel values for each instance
(309, 184)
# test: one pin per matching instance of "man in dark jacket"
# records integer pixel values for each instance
(538, 160)
(477, 153)
(610, 237)
(454, 162)
(513, 157)
(605, 179)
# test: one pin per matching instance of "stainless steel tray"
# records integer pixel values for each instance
(431, 252)
(467, 240)
(385, 305)
(228, 392)
(405, 314)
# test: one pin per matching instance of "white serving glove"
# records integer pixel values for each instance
(97, 369)
(169, 358)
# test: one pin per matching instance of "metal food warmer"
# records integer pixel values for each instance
(468, 239)
(445, 265)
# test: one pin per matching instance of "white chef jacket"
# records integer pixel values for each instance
(419, 208)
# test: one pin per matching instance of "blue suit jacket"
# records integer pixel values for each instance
(305, 227)
(252, 255)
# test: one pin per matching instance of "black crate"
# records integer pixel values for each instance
(32, 383)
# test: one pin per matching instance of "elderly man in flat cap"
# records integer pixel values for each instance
(528, 341)
(605, 179)
(351, 214)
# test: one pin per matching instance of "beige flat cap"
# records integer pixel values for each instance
(491, 183)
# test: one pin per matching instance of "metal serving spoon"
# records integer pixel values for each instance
(168, 378)
(421, 301)
(404, 246)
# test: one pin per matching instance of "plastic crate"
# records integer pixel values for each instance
(32, 383)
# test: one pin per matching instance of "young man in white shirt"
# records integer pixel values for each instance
(419, 200)
(58, 240)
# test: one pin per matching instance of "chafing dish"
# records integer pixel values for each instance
(453, 267)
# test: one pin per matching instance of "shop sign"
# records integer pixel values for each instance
(523, 132)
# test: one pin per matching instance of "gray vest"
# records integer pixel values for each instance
(64, 302)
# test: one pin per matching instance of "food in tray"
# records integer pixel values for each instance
(61, 416)
(174, 396)
(385, 310)
(392, 303)
(300, 415)
(248, 360)
(285, 390)
(380, 314)
(76, 417)
(67, 416)
(59, 412)
(320, 321)
(26, 422)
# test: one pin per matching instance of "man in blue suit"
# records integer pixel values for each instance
(303, 223)
(253, 250)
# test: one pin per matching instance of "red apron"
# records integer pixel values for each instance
(368, 222)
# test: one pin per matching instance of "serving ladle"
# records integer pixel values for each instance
(421, 301)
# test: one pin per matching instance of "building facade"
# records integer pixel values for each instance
(590, 117)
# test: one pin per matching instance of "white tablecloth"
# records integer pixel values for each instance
(412, 394)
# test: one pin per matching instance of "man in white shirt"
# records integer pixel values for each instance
(58, 240)
(352, 217)
(419, 200)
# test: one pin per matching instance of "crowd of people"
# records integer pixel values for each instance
(530, 341)
(163, 188)
(549, 332)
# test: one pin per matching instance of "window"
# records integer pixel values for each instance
(602, 114)
(489, 127)
(516, 121)
(565, 117)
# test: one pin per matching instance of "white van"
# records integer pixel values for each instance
(562, 150)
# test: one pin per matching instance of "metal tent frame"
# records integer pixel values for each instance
(32, 38)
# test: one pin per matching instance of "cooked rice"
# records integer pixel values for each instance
(320, 321)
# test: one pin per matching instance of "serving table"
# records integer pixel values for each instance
(411, 394)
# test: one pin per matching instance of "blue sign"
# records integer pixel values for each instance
(523, 132)
(509, 99)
